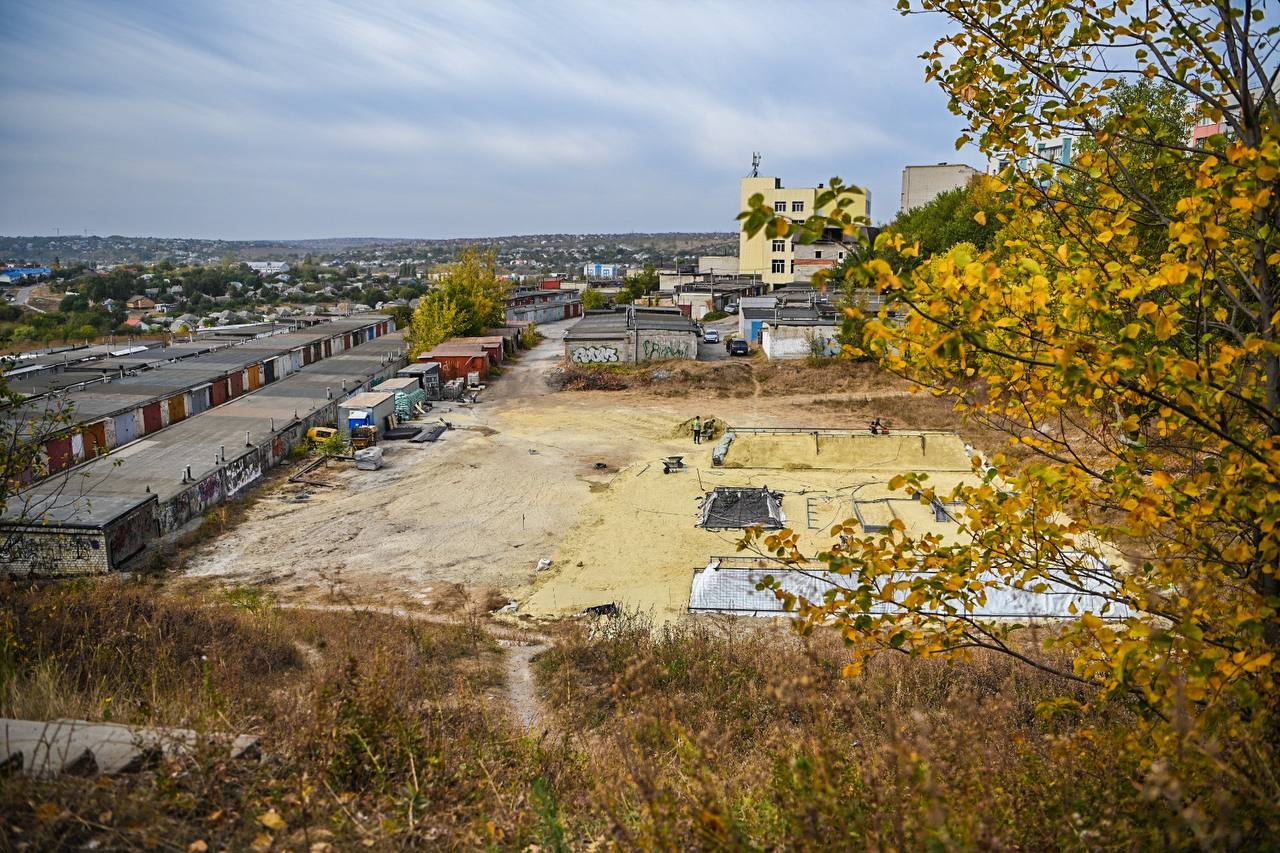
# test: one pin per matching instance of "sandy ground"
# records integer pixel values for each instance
(519, 480)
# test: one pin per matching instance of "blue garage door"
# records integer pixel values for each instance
(127, 428)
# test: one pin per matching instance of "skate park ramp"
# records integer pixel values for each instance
(798, 449)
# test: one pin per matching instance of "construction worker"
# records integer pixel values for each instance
(697, 429)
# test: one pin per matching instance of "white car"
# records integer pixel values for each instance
(711, 336)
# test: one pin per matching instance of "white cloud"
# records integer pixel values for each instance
(380, 102)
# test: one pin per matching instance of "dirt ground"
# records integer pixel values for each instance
(530, 473)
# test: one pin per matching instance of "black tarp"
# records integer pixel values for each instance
(728, 507)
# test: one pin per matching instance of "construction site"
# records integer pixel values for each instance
(479, 470)
(552, 502)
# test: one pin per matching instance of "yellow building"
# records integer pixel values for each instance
(773, 260)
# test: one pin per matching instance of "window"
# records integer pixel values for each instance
(779, 266)
(779, 207)
(779, 245)
(818, 254)
(797, 207)
(842, 256)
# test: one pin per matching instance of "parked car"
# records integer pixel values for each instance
(711, 336)
(738, 346)
(731, 308)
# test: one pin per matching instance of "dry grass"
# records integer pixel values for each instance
(393, 733)
(734, 378)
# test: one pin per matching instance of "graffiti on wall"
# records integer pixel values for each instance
(131, 535)
(239, 473)
(48, 553)
(595, 355)
(655, 350)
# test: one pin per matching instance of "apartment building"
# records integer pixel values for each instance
(773, 259)
(922, 184)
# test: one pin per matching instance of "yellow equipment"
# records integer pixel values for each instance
(365, 436)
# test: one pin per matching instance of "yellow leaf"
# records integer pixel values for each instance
(272, 820)
(197, 846)
(1161, 480)
(980, 217)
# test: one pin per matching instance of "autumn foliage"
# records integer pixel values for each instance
(1123, 328)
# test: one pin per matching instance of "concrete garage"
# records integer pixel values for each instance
(629, 335)
(371, 408)
(75, 535)
(176, 474)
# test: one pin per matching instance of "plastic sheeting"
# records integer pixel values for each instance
(733, 590)
(730, 508)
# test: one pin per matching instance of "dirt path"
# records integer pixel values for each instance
(522, 686)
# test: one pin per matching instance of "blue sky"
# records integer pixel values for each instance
(262, 119)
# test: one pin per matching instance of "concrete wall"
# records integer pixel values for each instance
(596, 352)
(651, 346)
(789, 342)
(657, 346)
(48, 552)
(52, 551)
(238, 473)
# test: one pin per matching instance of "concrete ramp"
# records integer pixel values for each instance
(846, 450)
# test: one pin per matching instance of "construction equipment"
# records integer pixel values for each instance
(364, 436)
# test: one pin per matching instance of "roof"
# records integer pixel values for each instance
(616, 322)
(368, 399)
(420, 367)
(396, 384)
(63, 510)
(730, 507)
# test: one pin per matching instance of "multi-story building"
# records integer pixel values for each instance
(601, 270)
(771, 259)
(922, 184)
(1055, 153)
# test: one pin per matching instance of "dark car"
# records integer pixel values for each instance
(737, 346)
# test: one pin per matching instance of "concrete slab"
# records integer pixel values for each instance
(80, 747)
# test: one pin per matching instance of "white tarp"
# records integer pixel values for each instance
(733, 590)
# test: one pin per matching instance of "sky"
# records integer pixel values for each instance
(263, 119)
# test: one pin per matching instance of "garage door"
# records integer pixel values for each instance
(151, 420)
(177, 408)
(199, 399)
(95, 439)
(127, 428)
(60, 454)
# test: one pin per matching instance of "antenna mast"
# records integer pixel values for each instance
(755, 164)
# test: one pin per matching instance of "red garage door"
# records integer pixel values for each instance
(237, 384)
(60, 454)
(151, 418)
